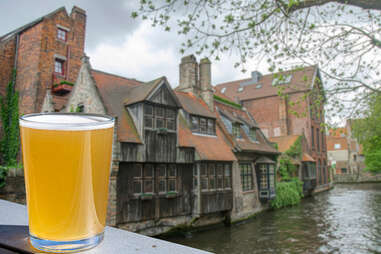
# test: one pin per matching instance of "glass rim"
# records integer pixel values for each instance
(108, 121)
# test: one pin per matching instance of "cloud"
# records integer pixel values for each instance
(106, 21)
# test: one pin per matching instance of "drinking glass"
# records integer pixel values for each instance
(67, 159)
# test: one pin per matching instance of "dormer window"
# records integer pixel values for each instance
(203, 125)
(236, 130)
(158, 117)
(282, 79)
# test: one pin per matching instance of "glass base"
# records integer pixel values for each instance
(65, 246)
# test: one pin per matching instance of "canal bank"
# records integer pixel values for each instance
(346, 219)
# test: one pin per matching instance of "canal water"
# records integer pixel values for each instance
(346, 220)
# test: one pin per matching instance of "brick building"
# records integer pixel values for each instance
(296, 112)
(46, 54)
(344, 152)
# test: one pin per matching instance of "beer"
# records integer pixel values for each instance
(67, 160)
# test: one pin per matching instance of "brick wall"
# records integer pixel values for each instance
(7, 58)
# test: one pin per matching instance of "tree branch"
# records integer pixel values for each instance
(364, 4)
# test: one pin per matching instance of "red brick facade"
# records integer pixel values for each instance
(37, 50)
(277, 116)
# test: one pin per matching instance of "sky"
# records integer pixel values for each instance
(118, 44)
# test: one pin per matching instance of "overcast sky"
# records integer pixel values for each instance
(118, 44)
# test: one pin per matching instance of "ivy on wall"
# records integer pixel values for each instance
(10, 140)
(290, 190)
(287, 167)
(9, 113)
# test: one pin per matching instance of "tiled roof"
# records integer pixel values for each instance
(113, 90)
(331, 141)
(338, 132)
(307, 158)
(244, 143)
(29, 25)
(207, 147)
(301, 80)
(194, 105)
(284, 142)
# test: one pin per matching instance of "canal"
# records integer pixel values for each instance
(346, 219)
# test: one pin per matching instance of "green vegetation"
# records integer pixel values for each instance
(288, 193)
(9, 112)
(368, 132)
(10, 141)
(287, 167)
(233, 104)
(64, 82)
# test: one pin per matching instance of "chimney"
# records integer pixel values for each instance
(205, 83)
(189, 75)
(255, 77)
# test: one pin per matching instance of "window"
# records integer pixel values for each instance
(312, 138)
(59, 66)
(354, 157)
(246, 176)
(61, 34)
(156, 117)
(236, 130)
(337, 146)
(282, 79)
(258, 86)
(151, 178)
(343, 170)
(253, 134)
(214, 176)
(203, 125)
(318, 139)
(240, 89)
(195, 176)
(223, 90)
(263, 180)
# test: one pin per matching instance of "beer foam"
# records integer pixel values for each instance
(61, 121)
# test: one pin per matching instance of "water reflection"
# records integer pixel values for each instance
(344, 220)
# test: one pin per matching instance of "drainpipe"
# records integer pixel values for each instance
(15, 62)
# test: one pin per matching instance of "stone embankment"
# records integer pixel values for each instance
(355, 178)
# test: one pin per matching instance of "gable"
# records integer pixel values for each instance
(162, 95)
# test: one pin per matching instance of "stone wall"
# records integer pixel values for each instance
(14, 188)
(354, 178)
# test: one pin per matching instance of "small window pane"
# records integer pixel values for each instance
(170, 113)
(159, 123)
(211, 127)
(61, 34)
(148, 121)
(211, 183)
(161, 170)
(148, 170)
(220, 181)
(227, 170)
(148, 109)
(171, 124)
(227, 183)
(148, 186)
(220, 169)
(137, 186)
(172, 170)
(194, 171)
(137, 170)
(204, 183)
(195, 125)
(212, 171)
(204, 171)
(203, 127)
(162, 186)
(195, 182)
(172, 185)
(58, 66)
(159, 112)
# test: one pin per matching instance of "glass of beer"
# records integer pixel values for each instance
(67, 159)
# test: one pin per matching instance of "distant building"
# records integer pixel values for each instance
(344, 152)
(46, 55)
(294, 113)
